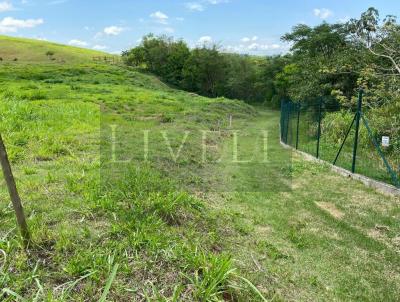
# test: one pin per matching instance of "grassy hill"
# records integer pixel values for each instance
(34, 51)
(162, 225)
(159, 236)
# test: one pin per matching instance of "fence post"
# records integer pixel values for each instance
(319, 126)
(298, 124)
(12, 189)
(289, 108)
(358, 116)
(282, 120)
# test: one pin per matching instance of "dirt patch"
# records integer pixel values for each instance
(263, 230)
(396, 242)
(375, 234)
(331, 209)
(379, 234)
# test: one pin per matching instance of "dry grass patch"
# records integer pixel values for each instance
(331, 209)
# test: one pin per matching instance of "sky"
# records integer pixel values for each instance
(243, 26)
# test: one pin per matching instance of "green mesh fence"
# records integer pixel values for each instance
(322, 128)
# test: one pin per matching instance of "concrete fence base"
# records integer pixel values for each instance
(379, 186)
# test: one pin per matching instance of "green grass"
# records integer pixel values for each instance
(34, 51)
(185, 231)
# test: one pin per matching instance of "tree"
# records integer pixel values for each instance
(380, 39)
(242, 78)
(204, 72)
(324, 61)
(160, 55)
(155, 52)
(322, 40)
(270, 68)
(134, 57)
(178, 54)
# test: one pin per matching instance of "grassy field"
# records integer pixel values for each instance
(190, 230)
(35, 51)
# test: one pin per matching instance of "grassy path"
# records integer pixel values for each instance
(303, 233)
(327, 238)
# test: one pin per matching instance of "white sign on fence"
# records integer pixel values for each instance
(385, 141)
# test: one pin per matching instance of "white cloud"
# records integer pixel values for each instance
(194, 6)
(6, 6)
(79, 43)
(99, 47)
(247, 39)
(231, 48)
(113, 30)
(28, 23)
(5, 30)
(261, 47)
(9, 24)
(256, 48)
(322, 13)
(159, 17)
(205, 40)
(201, 5)
(214, 2)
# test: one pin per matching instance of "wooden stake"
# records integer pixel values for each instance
(12, 189)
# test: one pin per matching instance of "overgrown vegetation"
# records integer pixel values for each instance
(207, 71)
(328, 61)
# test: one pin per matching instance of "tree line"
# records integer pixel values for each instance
(207, 71)
(330, 60)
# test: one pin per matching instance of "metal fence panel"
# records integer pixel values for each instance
(342, 136)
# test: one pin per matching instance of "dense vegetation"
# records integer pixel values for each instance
(332, 61)
(206, 70)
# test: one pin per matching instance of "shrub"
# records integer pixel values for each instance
(50, 54)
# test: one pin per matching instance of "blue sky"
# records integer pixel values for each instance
(246, 26)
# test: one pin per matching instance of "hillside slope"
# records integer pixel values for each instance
(173, 226)
(155, 234)
(34, 51)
